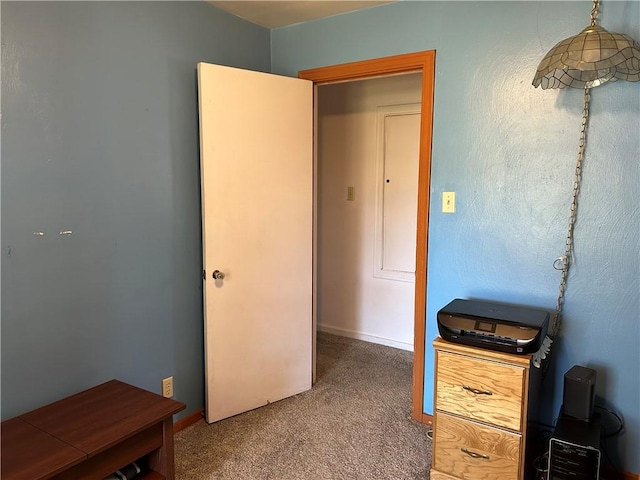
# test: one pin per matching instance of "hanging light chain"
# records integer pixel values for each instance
(594, 12)
(567, 259)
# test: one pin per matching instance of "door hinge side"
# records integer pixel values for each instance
(204, 274)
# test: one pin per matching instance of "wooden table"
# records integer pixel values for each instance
(90, 435)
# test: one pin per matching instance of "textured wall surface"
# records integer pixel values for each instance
(100, 138)
(508, 151)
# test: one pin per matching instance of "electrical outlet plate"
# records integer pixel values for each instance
(167, 387)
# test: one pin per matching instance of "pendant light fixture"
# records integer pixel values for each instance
(591, 58)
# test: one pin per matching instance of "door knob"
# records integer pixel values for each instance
(218, 275)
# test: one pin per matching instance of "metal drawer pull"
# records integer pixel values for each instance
(474, 455)
(476, 391)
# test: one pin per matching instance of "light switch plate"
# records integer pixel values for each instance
(448, 202)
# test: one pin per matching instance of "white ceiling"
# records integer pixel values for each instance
(273, 14)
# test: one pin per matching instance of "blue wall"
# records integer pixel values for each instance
(508, 151)
(100, 137)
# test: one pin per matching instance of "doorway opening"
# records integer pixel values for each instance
(367, 138)
(422, 63)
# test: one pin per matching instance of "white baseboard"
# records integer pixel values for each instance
(367, 338)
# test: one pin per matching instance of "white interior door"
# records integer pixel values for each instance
(256, 146)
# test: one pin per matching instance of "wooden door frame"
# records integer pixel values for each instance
(419, 62)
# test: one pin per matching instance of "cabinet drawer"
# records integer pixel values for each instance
(501, 387)
(436, 475)
(471, 451)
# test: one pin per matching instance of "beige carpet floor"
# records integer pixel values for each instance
(355, 423)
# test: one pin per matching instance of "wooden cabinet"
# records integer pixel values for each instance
(480, 413)
(90, 435)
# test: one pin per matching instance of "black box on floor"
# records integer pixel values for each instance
(579, 392)
(574, 449)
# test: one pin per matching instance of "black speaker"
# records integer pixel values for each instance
(579, 393)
